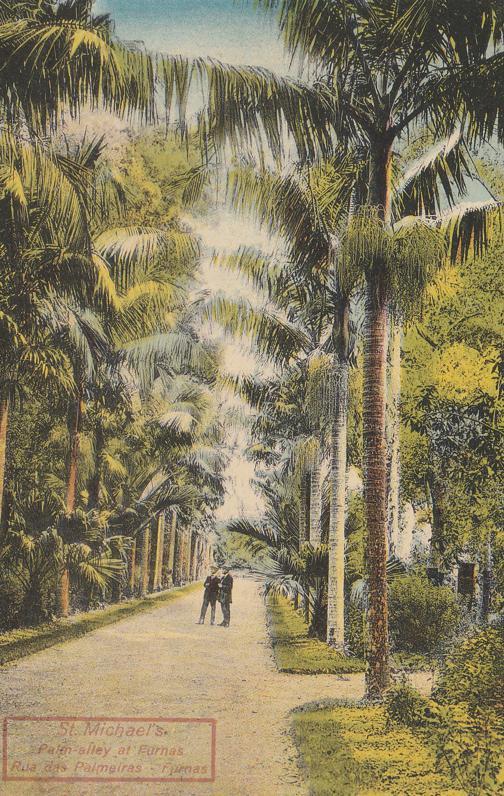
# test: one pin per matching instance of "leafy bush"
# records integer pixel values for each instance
(423, 617)
(469, 747)
(467, 743)
(11, 597)
(404, 705)
(474, 672)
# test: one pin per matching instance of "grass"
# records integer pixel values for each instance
(295, 652)
(26, 641)
(350, 751)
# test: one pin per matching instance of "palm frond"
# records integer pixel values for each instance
(246, 104)
(273, 334)
(53, 60)
(467, 227)
(175, 350)
(444, 165)
(258, 532)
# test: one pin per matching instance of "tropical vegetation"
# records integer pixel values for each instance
(373, 314)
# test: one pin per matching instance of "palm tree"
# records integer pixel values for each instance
(308, 210)
(284, 567)
(45, 259)
(380, 70)
(37, 553)
(58, 58)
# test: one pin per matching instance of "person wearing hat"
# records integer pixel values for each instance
(211, 586)
(225, 596)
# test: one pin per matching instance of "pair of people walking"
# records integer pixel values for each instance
(218, 586)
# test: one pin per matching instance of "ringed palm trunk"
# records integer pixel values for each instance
(202, 558)
(64, 593)
(163, 577)
(186, 557)
(4, 423)
(146, 538)
(316, 501)
(178, 568)
(374, 433)
(94, 485)
(336, 573)
(303, 531)
(132, 568)
(75, 427)
(315, 531)
(375, 453)
(194, 556)
(171, 548)
(303, 511)
(199, 568)
(160, 529)
(395, 422)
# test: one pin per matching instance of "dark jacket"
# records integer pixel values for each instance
(211, 587)
(226, 588)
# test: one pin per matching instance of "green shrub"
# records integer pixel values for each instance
(474, 672)
(467, 743)
(404, 705)
(11, 597)
(469, 747)
(423, 617)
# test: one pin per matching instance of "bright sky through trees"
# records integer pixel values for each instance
(225, 29)
(233, 32)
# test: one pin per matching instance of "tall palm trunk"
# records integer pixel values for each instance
(178, 564)
(194, 556)
(186, 556)
(395, 425)
(146, 539)
(170, 564)
(94, 485)
(336, 574)
(303, 529)
(160, 529)
(204, 558)
(75, 427)
(4, 423)
(303, 511)
(312, 615)
(201, 559)
(64, 593)
(165, 558)
(316, 501)
(375, 453)
(132, 570)
(374, 432)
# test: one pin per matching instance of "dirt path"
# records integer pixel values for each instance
(162, 664)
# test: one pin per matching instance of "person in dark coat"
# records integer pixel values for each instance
(210, 595)
(225, 596)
